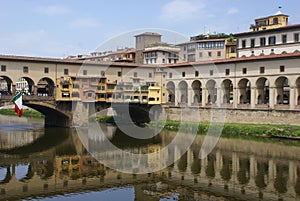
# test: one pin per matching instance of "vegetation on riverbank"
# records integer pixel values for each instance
(231, 130)
(26, 113)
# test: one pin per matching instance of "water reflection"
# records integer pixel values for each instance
(57, 163)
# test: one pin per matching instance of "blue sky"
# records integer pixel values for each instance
(58, 28)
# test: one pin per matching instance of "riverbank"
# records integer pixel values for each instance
(26, 113)
(231, 130)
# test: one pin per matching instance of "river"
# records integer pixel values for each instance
(69, 164)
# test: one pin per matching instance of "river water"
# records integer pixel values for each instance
(61, 164)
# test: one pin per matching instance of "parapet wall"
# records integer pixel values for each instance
(251, 116)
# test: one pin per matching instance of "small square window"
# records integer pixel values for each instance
(282, 69)
(46, 70)
(3, 68)
(244, 70)
(201, 54)
(119, 73)
(170, 75)
(219, 53)
(209, 54)
(211, 72)
(262, 69)
(135, 74)
(84, 72)
(150, 75)
(227, 71)
(196, 73)
(183, 74)
(25, 69)
(284, 38)
(66, 71)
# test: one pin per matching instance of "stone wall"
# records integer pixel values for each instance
(251, 116)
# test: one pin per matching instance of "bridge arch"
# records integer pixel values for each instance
(23, 172)
(262, 87)
(53, 116)
(212, 91)
(244, 89)
(282, 91)
(298, 91)
(227, 87)
(171, 92)
(25, 84)
(183, 91)
(5, 85)
(197, 92)
(46, 87)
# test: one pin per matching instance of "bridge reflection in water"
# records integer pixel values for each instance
(244, 170)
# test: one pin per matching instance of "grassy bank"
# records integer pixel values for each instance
(237, 129)
(26, 113)
(228, 129)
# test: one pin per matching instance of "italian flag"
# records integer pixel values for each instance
(17, 100)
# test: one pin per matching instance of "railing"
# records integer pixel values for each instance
(28, 98)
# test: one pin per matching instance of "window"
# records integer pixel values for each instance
(209, 54)
(209, 45)
(244, 70)
(227, 71)
(275, 20)
(201, 46)
(272, 40)
(163, 61)
(232, 50)
(150, 75)
(46, 70)
(219, 53)
(183, 74)
(3, 68)
(281, 68)
(201, 54)
(263, 41)
(84, 72)
(262, 69)
(119, 73)
(191, 58)
(170, 75)
(284, 38)
(243, 43)
(25, 69)
(196, 73)
(135, 74)
(296, 37)
(252, 42)
(102, 73)
(66, 71)
(211, 72)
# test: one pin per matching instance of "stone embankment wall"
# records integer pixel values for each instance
(251, 116)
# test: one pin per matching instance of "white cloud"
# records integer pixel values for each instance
(84, 23)
(232, 11)
(53, 10)
(179, 10)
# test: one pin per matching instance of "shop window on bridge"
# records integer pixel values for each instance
(66, 71)
(65, 86)
(46, 70)
(25, 69)
(75, 94)
(65, 95)
(3, 68)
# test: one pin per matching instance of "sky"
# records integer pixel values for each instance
(59, 28)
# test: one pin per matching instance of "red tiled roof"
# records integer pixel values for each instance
(237, 60)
